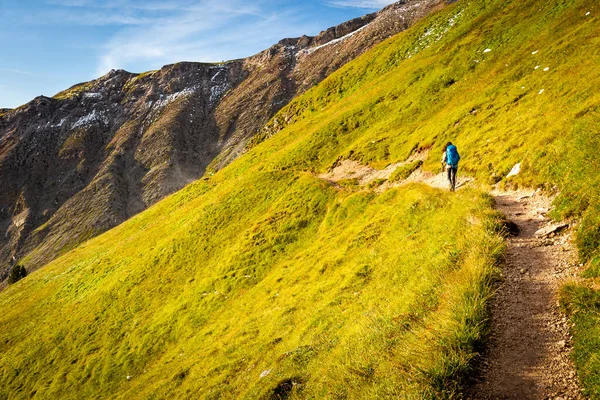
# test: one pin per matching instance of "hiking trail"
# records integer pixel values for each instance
(528, 355)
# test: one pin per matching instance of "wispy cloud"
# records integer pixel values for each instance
(207, 30)
(15, 71)
(105, 13)
(366, 4)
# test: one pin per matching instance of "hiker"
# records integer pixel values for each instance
(450, 159)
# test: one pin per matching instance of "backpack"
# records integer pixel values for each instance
(452, 156)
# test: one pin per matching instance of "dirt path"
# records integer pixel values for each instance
(364, 175)
(528, 356)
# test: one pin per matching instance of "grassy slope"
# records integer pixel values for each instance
(349, 293)
(501, 107)
(340, 293)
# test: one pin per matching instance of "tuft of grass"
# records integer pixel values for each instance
(376, 183)
(404, 171)
(593, 268)
(582, 304)
(351, 183)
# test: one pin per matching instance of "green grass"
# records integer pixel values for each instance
(403, 172)
(339, 293)
(133, 82)
(74, 90)
(348, 293)
(376, 183)
(583, 306)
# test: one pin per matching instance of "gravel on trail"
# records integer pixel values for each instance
(528, 356)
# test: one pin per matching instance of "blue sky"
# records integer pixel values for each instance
(49, 45)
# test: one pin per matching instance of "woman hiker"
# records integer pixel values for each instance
(450, 159)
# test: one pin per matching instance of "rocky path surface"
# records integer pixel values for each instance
(528, 356)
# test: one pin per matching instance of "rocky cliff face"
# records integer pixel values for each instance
(78, 164)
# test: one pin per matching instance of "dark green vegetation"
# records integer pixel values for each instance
(17, 273)
(263, 281)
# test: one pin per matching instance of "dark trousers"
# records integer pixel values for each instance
(452, 177)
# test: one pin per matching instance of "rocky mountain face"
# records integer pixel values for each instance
(78, 164)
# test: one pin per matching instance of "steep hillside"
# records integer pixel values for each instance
(86, 160)
(265, 281)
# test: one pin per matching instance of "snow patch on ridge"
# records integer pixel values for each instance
(61, 123)
(216, 92)
(219, 85)
(163, 101)
(90, 119)
(332, 42)
(95, 96)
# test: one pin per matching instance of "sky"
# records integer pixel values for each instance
(50, 45)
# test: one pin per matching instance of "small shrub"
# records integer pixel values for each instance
(376, 183)
(286, 388)
(349, 183)
(17, 273)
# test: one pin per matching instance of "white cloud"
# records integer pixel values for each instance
(366, 4)
(110, 12)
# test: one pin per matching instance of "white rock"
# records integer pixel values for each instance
(550, 229)
(515, 171)
(546, 69)
(265, 373)
(487, 50)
